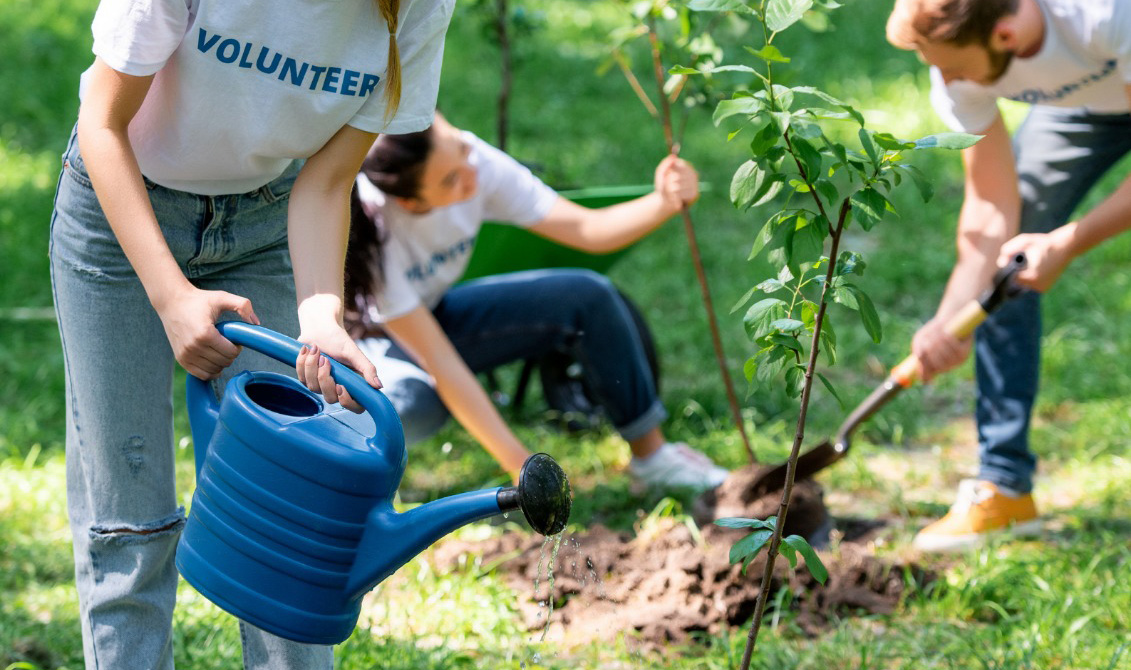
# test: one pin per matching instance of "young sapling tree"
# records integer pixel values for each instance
(817, 187)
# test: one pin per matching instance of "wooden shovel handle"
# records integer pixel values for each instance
(961, 326)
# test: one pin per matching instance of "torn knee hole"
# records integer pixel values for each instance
(170, 524)
(128, 530)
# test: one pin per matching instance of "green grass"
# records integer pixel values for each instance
(1063, 602)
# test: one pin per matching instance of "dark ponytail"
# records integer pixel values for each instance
(364, 266)
(394, 164)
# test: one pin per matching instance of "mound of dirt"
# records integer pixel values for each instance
(674, 579)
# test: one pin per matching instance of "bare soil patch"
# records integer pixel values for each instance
(674, 579)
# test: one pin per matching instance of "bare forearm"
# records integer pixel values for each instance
(469, 403)
(316, 231)
(1110, 218)
(991, 211)
(610, 228)
(318, 224)
(421, 336)
(982, 229)
(604, 229)
(616, 226)
(114, 172)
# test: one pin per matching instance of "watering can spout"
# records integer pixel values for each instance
(391, 539)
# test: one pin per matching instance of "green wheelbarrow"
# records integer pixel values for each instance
(502, 248)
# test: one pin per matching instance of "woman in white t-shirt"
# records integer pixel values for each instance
(420, 201)
(209, 173)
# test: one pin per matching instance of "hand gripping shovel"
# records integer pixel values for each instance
(902, 376)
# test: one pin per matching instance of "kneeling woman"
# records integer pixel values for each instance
(418, 206)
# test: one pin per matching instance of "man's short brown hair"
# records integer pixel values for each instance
(957, 22)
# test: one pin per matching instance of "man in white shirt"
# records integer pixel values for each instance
(1072, 60)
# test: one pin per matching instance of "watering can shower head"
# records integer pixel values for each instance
(543, 495)
(292, 520)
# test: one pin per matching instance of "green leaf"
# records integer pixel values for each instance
(788, 341)
(948, 141)
(784, 96)
(782, 252)
(840, 104)
(889, 143)
(926, 188)
(792, 326)
(850, 262)
(869, 146)
(868, 313)
(719, 6)
(827, 190)
(746, 549)
(742, 301)
(785, 275)
(765, 139)
(735, 106)
(794, 380)
(781, 14)
(769, 233)
(812, 560)
(761, 314)
(809, 314)
(770, 54)
(810, 158)
(803, 127)
(828, 341)
(809, 240)
(829, 387)
(679, 69)
(843, 296)
(771, 361)
(770, 285)
(740, 522)
(753, 185)
(868, 206)
(736, 68)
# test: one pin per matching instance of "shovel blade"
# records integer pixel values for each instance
(808, 464)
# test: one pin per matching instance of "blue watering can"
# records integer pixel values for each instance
(292, 521)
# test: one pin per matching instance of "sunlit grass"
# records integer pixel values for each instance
(1061, 602)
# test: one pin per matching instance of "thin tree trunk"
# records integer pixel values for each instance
(502, 118)
(689, 228)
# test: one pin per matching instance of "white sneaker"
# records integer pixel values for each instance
(677, 465)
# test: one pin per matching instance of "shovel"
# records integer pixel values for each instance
(902, 376)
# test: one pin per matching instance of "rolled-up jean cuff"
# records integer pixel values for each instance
(1010, 479)
(651, 418)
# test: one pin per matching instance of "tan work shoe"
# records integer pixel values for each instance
(981, 511)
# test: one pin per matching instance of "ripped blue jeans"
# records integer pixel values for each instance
(121, 498)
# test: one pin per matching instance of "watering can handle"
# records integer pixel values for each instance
(286, 350)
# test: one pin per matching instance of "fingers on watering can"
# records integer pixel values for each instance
(324, 380)
(348, 401)
(208, 355)
(306, 366)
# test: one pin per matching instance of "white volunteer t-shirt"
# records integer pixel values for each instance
(1085, 61)
(243, 88)
(425, 254)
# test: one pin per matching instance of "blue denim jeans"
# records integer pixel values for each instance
(495, 320)
(1061, 154)
(121, 498)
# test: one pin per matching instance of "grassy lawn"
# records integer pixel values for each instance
(1063, 601)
